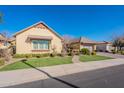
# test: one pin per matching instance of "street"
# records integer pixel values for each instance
(110, 77)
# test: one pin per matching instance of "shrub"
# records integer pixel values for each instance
(28, 55)
(71, 54)
(113, 51)
(122, 52)
(61, 54)
(119, 51)
(96, 50)
(2, 62)
(19, 56)
(85, 51)
(93, 53)
(45, 55)
(40, 55)
(106, 51)
(37, 55)
(53, 54)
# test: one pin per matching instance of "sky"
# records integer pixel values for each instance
(95, 22)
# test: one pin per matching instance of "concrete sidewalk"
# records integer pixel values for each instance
(110, 55)
(9, 78)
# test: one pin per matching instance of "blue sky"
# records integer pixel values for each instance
(95, 22)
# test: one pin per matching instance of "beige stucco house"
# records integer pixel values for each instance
(38, 38)
(83, 42)
(104, 46)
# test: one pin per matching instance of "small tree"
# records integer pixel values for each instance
(118, 43)
(66, 44)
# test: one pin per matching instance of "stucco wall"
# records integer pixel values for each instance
(88, 46)
(104, 47)
(23, 47)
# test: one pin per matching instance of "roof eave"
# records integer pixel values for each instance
(41, 22)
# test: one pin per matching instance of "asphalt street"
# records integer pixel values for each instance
(111, 77)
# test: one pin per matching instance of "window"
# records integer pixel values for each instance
(40, 44)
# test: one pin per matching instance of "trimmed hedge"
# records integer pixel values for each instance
(30, 55)
(114, 52)
(2, 62)
(40, 55)
(122, 52)
(93, 53)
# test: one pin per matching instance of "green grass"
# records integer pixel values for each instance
(41, 62)
(86, 58)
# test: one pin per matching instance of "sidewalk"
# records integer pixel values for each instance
(9, 78)
(110, 55)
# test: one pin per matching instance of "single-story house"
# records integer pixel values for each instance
(83, 42)
(37, 38)
(3, 41)
(12, 41)
(104, 46)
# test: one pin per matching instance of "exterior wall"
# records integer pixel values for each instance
(104, 47)
(91, 47)
(75, 46)
(101, 47)
(24, 47)
(13, 43)
(1, 44)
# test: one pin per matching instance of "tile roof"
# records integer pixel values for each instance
(12, 39)
(82, 40)
(86, 40)
(2, 37)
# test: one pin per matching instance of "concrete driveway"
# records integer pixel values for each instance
(88, 74)
(110, 55)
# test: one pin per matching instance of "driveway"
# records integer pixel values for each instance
(110, 55)
(88, 74)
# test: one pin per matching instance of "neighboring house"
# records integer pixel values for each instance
(3, 41)
(38, 38)
(12, 41)
(104, 46)
(82, 42)
(12, 45)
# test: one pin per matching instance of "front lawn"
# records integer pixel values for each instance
(85, 58)
(39, 62)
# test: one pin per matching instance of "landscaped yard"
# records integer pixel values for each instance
(86, 58)
(39, 62)
(50, 61)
